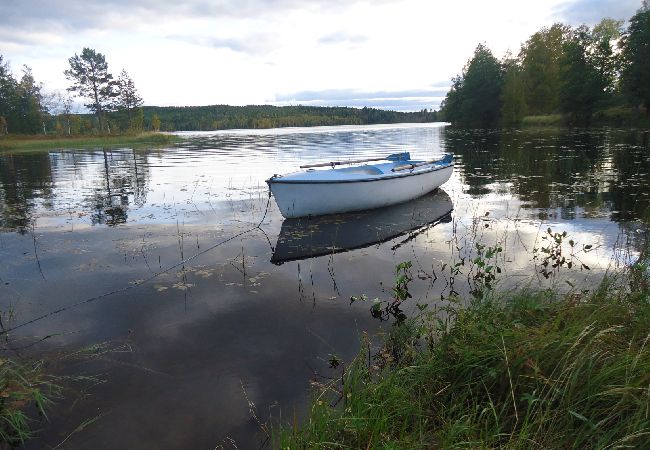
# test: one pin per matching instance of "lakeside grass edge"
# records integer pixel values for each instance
(34, 143)
(529, 369)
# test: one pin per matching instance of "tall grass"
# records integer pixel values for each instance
(34, 143)
(542, 120)
(22, 386)
(531, 369)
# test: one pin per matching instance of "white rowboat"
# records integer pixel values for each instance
(398, 179)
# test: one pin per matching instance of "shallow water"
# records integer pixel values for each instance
(169, 276)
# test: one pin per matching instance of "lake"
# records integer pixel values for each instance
(168, 278)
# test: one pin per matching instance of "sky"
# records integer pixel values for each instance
(390, 54)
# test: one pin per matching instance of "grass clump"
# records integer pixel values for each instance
(542, 120)
(533, 369)
(34, 143)
(22, 386)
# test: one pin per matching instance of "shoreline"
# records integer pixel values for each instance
(13, 143)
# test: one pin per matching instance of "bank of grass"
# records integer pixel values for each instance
(542, 121)
(23, 386)
(532, 369)
(34, 143)
(610, 117)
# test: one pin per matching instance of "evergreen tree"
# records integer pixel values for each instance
(8, 87)
(89, 73)
(129, 100)
(475, 97)
(636, 57)
(30, 109)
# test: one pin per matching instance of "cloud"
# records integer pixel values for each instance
(344, 94)
(404, 100)
(106, 15)
(590, 12)
(342, 37)
(254, 44)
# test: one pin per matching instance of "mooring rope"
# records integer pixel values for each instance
(147, 280)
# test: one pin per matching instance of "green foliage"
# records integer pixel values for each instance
(129, 104)
(222, 117)
(155, 122)
(21, 102)
(530, 370)
(474, 99)
(91, 79)
(553, 255)
(636, 57)
(559, 70)
(34, 144)
(583, 85)
(540, 60)
(22, 385)
(513, 104)
(603, 55)
(542, 121)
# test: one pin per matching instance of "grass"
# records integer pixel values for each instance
(33, 143)
(531, 369)
(542, 121)
(22, 385)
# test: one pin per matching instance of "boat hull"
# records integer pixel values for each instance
(301, 199)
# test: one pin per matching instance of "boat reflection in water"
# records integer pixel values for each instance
(309, 237)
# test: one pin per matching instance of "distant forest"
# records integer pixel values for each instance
(561, 75)
(222, 117)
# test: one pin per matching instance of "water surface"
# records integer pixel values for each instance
(169, 276)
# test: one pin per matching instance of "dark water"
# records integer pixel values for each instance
(146, 269)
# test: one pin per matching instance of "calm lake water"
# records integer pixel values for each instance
(167, 275)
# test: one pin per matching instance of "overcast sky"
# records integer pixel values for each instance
(390, 54)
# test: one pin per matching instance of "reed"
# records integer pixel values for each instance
(23, 386)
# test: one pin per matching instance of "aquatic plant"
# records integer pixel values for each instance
(23, 385)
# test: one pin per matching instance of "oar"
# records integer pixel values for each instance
(412, 166)
(340, 163)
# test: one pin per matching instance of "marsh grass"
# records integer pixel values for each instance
(542, 120)
(36, 143)
(529, 369)
(23, 386)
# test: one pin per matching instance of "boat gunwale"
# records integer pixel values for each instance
(388, 176)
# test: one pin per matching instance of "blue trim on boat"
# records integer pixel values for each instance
(391, 176)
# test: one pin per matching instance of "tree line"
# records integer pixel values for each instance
(582, 74)
(25, 107)
(222, 117)
(116, 107)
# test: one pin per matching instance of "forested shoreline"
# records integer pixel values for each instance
(561, 75)
(27, 108)
(221, 117)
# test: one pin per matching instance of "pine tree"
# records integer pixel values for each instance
(89, 73)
